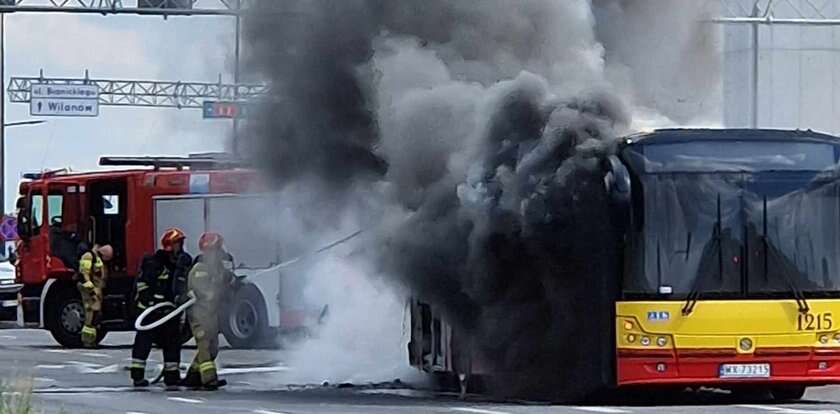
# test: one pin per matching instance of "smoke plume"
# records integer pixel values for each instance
(467, 137)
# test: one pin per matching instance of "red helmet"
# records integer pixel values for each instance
(170, 237)
(210, 241)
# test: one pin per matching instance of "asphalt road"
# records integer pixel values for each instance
(93, 382)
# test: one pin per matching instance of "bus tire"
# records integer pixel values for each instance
(64, 317)
(788, 392)
(245, 322)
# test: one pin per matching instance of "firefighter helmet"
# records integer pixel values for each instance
(170, 237)
(210, 241)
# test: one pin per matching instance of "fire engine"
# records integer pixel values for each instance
(128, 209)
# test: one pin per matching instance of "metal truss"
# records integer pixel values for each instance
(141, 7)
(139, 93)
(780, 12)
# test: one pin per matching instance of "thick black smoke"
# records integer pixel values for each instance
(478, 129)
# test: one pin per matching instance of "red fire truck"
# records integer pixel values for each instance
(129, 209)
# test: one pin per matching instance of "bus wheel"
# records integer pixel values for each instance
(788, 392)
(245, 321)
(65, 317)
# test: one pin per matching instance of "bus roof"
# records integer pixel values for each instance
(708, 134)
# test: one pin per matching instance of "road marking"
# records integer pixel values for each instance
(104, 370)
(266, 412)
(783, 410)
(57, 351)
(95, 355)
(82, 390)
(42, 379)
(185, 400)
(254, 370)
(8, 337)
(601, 410)
(477, 410)
(134, 412)
(50, 366)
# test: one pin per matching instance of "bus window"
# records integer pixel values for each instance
(36, 213)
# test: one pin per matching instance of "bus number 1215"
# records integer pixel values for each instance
(812, 322)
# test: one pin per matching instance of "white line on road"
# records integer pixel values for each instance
(8, 337)
(477, 410)
(266, 412)
(185, 400)
(57, 351)
(134, 412)
(49, 366)
(81, 390)
(601, 410)
(110, 369)
(783, 410)
(254, 370)
(95, 355)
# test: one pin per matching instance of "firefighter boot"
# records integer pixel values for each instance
(172, 379)
(193, 379)
(138, 377)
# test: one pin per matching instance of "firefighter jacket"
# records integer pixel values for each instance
(162, 278)
(210, 281)
(92, 269)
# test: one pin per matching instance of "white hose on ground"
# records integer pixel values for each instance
(138, 324)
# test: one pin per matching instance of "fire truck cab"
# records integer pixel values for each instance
(58, 210)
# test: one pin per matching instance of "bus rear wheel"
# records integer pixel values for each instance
(788, 392)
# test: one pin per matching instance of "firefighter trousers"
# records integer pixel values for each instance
(167, 336)
(92, 302)
(206, 334)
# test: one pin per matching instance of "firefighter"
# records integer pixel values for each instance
(210, 278)
(93, 275)
(162, 278)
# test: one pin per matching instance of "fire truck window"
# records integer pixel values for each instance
(55, 205)
(37, 212)
(111, 205)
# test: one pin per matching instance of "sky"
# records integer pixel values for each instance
(195, 49)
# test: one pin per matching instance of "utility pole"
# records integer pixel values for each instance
(236, 79)
(3, 113)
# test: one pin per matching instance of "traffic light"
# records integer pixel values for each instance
(223, 109)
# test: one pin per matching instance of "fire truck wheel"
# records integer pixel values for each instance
(65, 317)
(788, 392)
(245, 322)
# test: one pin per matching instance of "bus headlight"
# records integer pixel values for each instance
(645, 341)
(661, 341)
(628, 326)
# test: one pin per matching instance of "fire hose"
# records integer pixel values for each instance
(138, 324)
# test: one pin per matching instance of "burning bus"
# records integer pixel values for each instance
(729, 275)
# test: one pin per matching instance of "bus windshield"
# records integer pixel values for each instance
(736, 234)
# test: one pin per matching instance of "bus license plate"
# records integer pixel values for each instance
(745, 370)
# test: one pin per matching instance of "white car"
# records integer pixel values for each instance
(8, 291)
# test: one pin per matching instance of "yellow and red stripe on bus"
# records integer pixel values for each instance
(657, 344)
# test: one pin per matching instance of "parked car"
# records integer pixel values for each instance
(8, 288)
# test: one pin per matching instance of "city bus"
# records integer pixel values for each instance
(730, 242)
